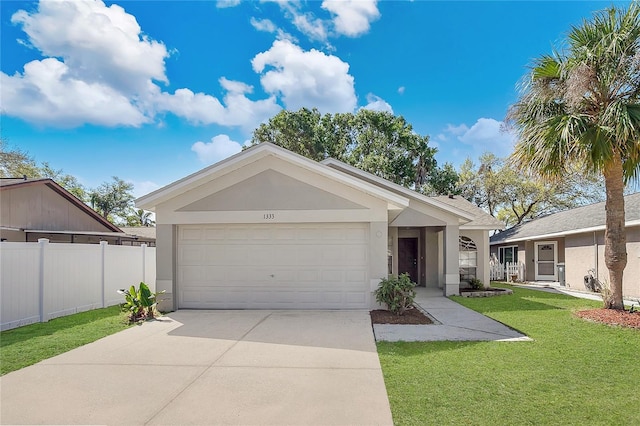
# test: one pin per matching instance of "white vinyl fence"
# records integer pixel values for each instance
(506, 271)
(41, 281)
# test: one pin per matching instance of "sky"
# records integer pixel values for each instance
(151, 91)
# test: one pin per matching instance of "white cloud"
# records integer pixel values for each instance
(47, 93)
(98, 43)
(306, 78)
(238, 110)
(352, 17)
(265, 25)
(376, 103)
(145, 187)
(311, 26)
(219, 148)
(457, 130)
(222, 4)
(486, 134)
(401, 90)
(101, 69)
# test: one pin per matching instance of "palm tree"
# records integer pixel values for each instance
(144, 217)
(579, 107)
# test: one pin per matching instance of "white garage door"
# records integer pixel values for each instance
(274, 266)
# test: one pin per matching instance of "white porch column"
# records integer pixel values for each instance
(451, 260)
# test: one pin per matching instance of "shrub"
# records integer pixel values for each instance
(397, 293)
(140, 304)
(476, 284)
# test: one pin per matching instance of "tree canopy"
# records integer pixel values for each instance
(377, 142)
(17, 163)
(580, 109)
(112, 199)
(499, 188)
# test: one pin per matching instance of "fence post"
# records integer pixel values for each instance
(144, 263)
(43, 244)
(103, 249)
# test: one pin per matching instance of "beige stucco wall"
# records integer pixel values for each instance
(40, 207)
(586, 251)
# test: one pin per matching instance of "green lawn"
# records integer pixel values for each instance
(573, 373)
(27, 345)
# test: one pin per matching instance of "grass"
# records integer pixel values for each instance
(574, 372)
(30, 344)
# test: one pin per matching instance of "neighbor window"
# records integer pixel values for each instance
(508, 254)
(468, 263)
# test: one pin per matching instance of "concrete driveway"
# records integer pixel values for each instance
(211, 367)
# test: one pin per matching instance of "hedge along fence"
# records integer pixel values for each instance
(41, 281)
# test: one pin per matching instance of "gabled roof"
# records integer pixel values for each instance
(574, 221)
(248, 156)
(481, 219)
(12, 183)
(472, 216)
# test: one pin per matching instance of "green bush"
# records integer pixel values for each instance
(397, 293)
(140, 304)
(476, 284)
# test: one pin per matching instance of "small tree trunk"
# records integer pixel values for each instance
(615, 240)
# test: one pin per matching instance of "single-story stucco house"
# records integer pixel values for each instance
(573, 238)
(268, 228)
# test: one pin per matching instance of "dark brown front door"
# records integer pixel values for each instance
(408, 257)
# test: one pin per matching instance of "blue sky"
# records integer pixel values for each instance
(151, 91)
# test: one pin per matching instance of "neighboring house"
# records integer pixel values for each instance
(142, 234)
(31, 209)
(268, 228)
(573, 238)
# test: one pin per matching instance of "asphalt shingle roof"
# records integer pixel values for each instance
(481, 218)
(584, 217)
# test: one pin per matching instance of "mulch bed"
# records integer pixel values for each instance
(612, 317)
(412, 316)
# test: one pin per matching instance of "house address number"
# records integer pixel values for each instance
(269, 216)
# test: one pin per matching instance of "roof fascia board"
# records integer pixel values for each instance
(563, 233)
(479, 227)
(332, 162)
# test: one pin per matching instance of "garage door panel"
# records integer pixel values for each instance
(275, 266)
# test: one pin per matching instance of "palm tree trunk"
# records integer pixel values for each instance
(615, 240)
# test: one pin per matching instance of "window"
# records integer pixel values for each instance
(508, 254)
(468, 262)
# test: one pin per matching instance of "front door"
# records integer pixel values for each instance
(546, 258)
(408, 257)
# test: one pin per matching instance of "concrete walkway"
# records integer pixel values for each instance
(453, 322)
(211, 367)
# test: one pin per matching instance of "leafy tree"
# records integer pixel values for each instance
(485, 185)
(112, 200)
(579, 109)
(67, 181)
(443, 180)
(376, 142)
(140, 218)
(15, 163)
(18, 163)
(497, 186)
